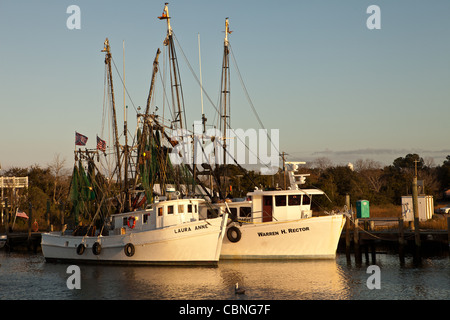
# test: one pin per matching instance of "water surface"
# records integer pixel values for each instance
(28, 276)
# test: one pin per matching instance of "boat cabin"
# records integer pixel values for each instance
(161, 214)
(282, 205)
(267, 206)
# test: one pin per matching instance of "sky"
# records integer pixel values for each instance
(313, 70)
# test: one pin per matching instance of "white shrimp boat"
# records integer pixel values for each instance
(279, 225)
(168, 233)
(165, 232)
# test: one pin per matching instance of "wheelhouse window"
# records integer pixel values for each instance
(233, 213)
(145, 218)
(306, 199)
(180, 208)
(124, 221)
(212, 213)
(189, 208)
(160, 211)
(169, 209)
(244, 212)
(280, 201)
(294, 200)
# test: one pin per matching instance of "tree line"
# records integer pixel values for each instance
(366, 179)
(48, 187)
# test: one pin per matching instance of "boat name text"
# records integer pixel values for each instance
(187, 229)
(282, 231)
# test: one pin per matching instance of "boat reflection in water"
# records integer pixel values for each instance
(272, 280)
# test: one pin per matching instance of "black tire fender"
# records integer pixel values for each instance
(129, 249)
(80, 249)
(97, 248)
(234, 234)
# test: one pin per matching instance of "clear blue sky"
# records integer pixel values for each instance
(313, 69)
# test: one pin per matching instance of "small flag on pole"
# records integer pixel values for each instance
(101, 144)
(21, 214)
(80, 140)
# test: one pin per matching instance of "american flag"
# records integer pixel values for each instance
(101, 144)
(80, 140)
(21, 214)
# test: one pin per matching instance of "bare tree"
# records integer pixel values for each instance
(58, 171)
(322, 163)
(372, 171)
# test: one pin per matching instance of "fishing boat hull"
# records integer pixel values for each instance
(311, 238)
(193, 243)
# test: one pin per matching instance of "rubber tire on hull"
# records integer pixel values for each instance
(80, 249)
(234, 234)
(96, 248)
(129, 249)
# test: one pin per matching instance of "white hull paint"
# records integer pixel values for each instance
(193, 243)
(311, 238)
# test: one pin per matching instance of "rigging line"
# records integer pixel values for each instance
(166, 99)
(248, 97)
(209, 99)
(369, 233)
(194, 74)
(104, 102)
(126, 90)
(235, 161)
(177, 76)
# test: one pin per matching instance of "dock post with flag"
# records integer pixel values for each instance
(19, 214)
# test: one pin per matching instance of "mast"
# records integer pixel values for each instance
(201, 86)
(107, 49)
(225, 91)
(225, 100)
(177, 92)
(146, 130)
(125, 148)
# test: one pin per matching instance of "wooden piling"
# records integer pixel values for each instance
(6, 217)
(30, 219)
(448, 231)
(356, 232)
(401, 232)
(347, 233)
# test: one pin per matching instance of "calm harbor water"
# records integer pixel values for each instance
(26, 276)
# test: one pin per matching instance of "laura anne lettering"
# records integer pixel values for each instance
(282, 231)
(187, 229)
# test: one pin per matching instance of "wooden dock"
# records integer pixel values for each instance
(371, 235)
(20, 241)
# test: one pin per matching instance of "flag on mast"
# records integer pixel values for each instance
(101, 144)
(80, 140)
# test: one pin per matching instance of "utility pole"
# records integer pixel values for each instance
(415, 206)
(283, 156)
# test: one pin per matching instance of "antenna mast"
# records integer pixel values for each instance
(108, 58)
(201, 86)
(177, 92)
(225, 84)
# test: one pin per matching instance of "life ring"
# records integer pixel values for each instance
(80, 249)
(234, 234)
(97, 248)
(129, 249)
(131, 222)
(35, 226)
